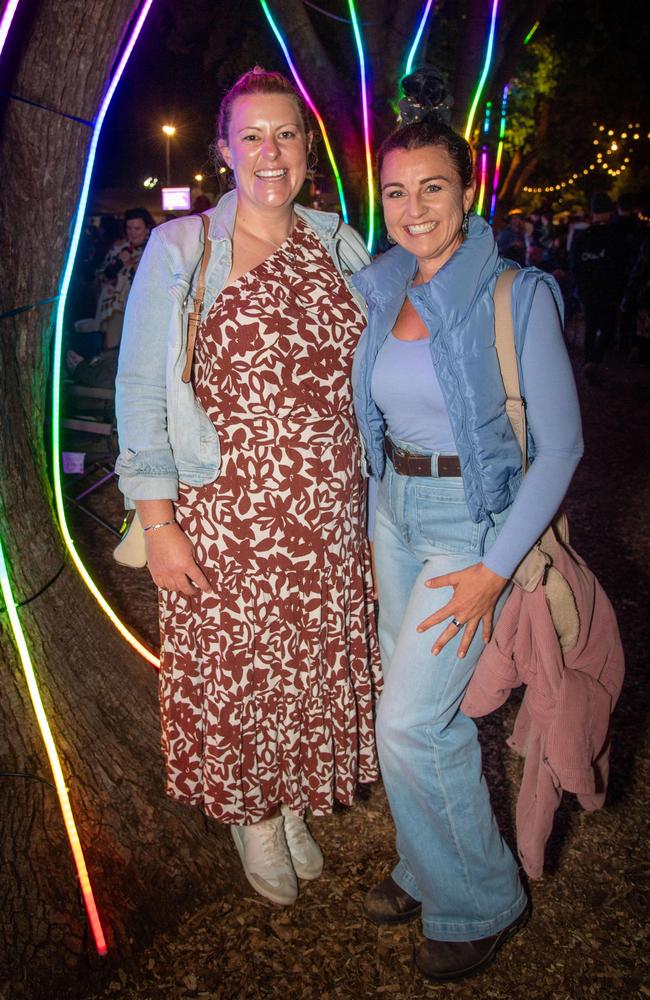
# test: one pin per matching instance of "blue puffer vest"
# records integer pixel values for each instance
(457, 308)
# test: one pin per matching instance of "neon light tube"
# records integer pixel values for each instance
(497, 165)
(314, 109)
(486, 67)
(481, 194)
(58, 342)
(5, 21)
(55, 764)
(366, 125)
(488, 115)
(531, 32)
(418, 36)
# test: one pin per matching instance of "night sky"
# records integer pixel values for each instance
(189, 54)
(178, 74)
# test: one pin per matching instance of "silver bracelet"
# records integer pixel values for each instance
(154, 527)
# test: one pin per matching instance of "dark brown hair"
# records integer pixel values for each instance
(431, 131)
(259, 81)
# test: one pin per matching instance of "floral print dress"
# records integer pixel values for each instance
(268, 683)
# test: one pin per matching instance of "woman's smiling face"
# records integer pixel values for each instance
(424, 202)
(266, 149)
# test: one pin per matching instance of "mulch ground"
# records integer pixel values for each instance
(588, 936)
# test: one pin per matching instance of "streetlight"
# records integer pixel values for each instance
(199, 179)
(169, 131)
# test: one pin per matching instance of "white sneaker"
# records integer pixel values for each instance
(267, 863)
(306, 855)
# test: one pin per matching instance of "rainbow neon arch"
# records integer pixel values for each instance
(5, 585)
(58, 343)
(317, 115)
(367, 138)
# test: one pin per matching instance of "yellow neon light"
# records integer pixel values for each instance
(55, 764)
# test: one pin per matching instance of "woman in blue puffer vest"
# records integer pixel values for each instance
(453, 520)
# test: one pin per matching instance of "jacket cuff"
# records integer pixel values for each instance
(148, 488)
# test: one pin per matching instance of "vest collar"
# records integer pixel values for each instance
(451, 291)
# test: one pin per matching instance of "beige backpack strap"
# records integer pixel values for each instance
(195, 315)
(507, 355)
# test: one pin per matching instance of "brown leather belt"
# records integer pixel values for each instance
(406, 463)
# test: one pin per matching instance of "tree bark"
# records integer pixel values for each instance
(147, 856)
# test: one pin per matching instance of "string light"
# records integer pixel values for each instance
(486, 120)
(605, 159)
(418, 35)
(53, 757)
(5, 21)
(486, 67)
(317, 115)
(497, 165)
(366, 125)
(58, 342)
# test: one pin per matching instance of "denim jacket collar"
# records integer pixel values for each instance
(222, 219)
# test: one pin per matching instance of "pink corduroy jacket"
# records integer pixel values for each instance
(562, 727)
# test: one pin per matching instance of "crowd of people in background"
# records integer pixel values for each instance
(601, 260)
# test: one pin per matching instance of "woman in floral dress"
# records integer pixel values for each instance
(248, 484)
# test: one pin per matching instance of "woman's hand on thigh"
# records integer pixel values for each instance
(476, 592)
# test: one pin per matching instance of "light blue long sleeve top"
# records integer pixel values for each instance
(405, 388)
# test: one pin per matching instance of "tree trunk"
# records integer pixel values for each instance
(147, 857)
(336, 103)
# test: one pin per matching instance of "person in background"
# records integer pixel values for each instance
(200, 204)
(631, 231)
(636, 301)
(246, 477)
(453, 520)
(540, 246)
(116, 275)
(511, 241)
(598, 262)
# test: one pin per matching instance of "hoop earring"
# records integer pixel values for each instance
(390, 239)
(464, 227)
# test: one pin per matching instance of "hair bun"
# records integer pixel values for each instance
(426, 97)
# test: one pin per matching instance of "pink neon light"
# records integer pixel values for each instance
(5, 21)
(481, 196)
(497, 166)
(366, 125)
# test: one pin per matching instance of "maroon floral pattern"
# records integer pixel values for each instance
(268, 684)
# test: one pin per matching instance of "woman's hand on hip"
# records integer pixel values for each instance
(476, 592)
(170, 557)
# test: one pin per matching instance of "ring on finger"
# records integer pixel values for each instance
(454, 621)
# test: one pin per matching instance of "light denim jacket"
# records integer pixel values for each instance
(165, 435)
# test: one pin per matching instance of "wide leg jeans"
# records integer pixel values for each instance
(451, 855)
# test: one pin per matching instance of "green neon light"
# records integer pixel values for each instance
(531, 32)
(366, 125)
(486, 67)
(58, 350)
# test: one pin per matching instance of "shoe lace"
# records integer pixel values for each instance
(296, 830)
(273, 844)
